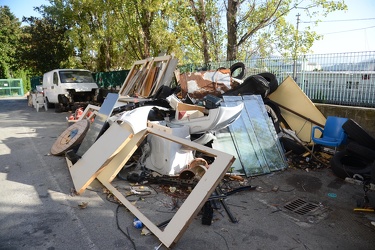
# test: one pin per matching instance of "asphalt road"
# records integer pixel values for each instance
(38, 209)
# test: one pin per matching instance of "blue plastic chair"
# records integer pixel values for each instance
(333, 135)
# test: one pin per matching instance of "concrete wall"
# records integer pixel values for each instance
(365, 117)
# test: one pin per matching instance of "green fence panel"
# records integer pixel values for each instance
(36, 80)
(111, 79)
(11, 87)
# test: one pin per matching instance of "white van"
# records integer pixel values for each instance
(67, 86)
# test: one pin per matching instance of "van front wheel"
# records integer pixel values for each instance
(49, 105)
(58, 108)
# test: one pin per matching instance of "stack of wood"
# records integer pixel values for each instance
(148, 75)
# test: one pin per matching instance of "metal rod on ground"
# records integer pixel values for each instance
(304, 117)
(231, 216)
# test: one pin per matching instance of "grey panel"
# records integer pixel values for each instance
(96, 127)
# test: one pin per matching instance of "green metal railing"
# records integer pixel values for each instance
(11, 87)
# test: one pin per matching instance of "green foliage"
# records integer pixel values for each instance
(25, 76)
(102, 35)
(9, 37)
(261, 28)
(44, 45)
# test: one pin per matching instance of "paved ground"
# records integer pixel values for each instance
(39, 211)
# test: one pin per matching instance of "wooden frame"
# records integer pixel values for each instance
(143, 77)
(154, 77)
(120, 145)
(136, 73)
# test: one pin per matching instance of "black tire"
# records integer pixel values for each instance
(235, 67)
(49, 105)
(252, 85)
(63, 100)
(356, 133)
(271, 78)
(291, 145)
(347, 165)
(274, 106)
(360, 151)
(58, 108)
(274, 112)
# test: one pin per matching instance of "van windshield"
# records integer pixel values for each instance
(73, 76)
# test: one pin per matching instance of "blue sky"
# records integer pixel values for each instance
(23, 7)
(343, 36)
(348, 35)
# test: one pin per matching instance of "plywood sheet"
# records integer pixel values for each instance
(290, 95)
(86, 169)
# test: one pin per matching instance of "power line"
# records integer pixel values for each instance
(346, 20)
(348, 30)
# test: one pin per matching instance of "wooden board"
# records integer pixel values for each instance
(71, 137)
(85, 170)
(135, 73)
(194, 202)
(145, 72)
(290, 95)
(105, 158)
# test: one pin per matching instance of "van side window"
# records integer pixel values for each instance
(55, 78)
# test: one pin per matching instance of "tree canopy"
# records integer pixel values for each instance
(103, 35)
(9, 35)
(43, 45)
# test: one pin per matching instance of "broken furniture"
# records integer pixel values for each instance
(96, 127)
(216, 119)
(121, 141)
(88, 113)
(200, 84)
(333, 135)
(357, 159)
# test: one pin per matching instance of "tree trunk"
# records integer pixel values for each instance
(206, 55)
(199, 13)
(146, 42)
(232, 29)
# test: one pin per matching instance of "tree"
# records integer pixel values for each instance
(110, 35)
(208, 23)
(200, 15)
(44, 45)
(9, 36)
(245, 22)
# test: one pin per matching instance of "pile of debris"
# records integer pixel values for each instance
(190, 133)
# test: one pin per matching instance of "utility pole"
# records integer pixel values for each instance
(295, 50)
